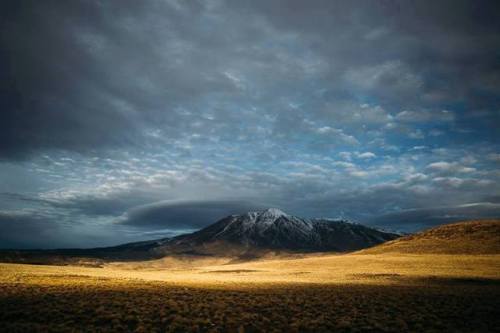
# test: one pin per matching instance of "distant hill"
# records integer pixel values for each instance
(469, 237)
(243, 236)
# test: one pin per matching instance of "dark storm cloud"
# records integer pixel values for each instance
(84, 75)
(115, 111)
(185, 214)
(434, 39)
(417, 219)
(25, 230)
(52, 99)
(92, 205)
(32, 230)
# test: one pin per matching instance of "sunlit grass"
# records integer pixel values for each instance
(318, 293)
(420, 283)
(352, 268)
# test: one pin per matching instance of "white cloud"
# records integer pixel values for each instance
(349, 113)
(345, 155)
(456, 182)
(449, 167)
(415, 177)
(344, 164)
(423, 116)
(337, 133)
(359, 173)
(391, 75)
(366, 155)
(468, 159)
(448, 181)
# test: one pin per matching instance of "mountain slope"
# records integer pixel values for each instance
(245, 236)
(276, 230)
(470, 237)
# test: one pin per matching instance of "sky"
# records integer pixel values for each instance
(130, 120)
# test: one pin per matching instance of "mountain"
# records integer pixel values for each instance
(469, 237)
(244, 236)
(273, 229)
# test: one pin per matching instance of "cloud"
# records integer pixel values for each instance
(312, 106)
(338, 134)
(366, 155)
(494, 157)
(417, 219)
(349, 113)
(386, 79)
(417, 134)
(52, 229)
(425, 116)
(186, 214)
(463, 183)
(449, 167)
(26, 230)
(137, 69)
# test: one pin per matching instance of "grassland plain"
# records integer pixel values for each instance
(393, 294)
(66, 303)
(424, 283)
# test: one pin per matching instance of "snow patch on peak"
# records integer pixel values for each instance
(273, 213)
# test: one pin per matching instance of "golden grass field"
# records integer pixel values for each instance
(368, 291)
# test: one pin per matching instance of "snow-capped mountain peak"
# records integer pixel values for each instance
(273, 228)
(273, 213)
(258, 219)
(267, 216)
